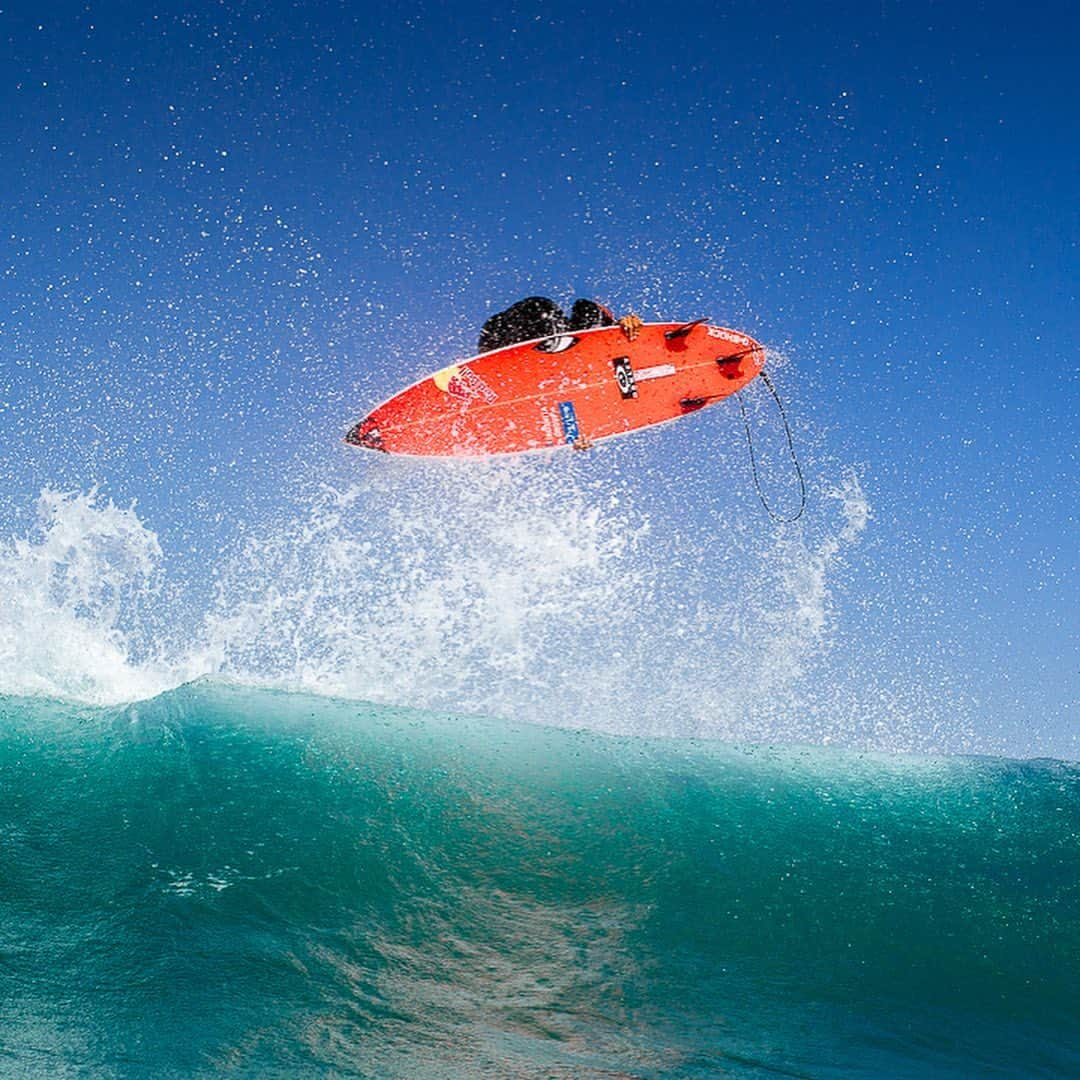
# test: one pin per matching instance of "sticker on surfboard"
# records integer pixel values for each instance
(624, 376)
(569, 421)
(462, 382)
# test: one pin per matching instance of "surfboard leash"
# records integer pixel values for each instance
(778, 518)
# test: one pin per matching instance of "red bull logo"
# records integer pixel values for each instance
(461, 382)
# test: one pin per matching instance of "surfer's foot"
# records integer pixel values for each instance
(582, 443)
(630, 325)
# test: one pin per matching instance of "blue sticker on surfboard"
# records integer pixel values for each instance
(569, 421)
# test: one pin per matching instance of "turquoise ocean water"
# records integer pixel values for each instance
(229, 881)
(497, 773)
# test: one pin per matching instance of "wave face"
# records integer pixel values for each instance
(229, 880)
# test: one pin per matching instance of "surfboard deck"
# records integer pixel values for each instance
(550, 392)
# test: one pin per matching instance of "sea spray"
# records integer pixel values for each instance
(515, 589)
(75, 596)
(526, 589)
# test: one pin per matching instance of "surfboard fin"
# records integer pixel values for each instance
(682, 331)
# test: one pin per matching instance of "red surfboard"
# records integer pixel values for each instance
(591, 384)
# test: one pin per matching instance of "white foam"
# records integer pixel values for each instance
(70, 594)
(529, 589)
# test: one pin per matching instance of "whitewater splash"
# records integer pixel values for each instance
(521, 589)
(70, 598)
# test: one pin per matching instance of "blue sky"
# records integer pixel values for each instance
(230, 229)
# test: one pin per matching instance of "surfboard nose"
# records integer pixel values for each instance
(366, 434)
